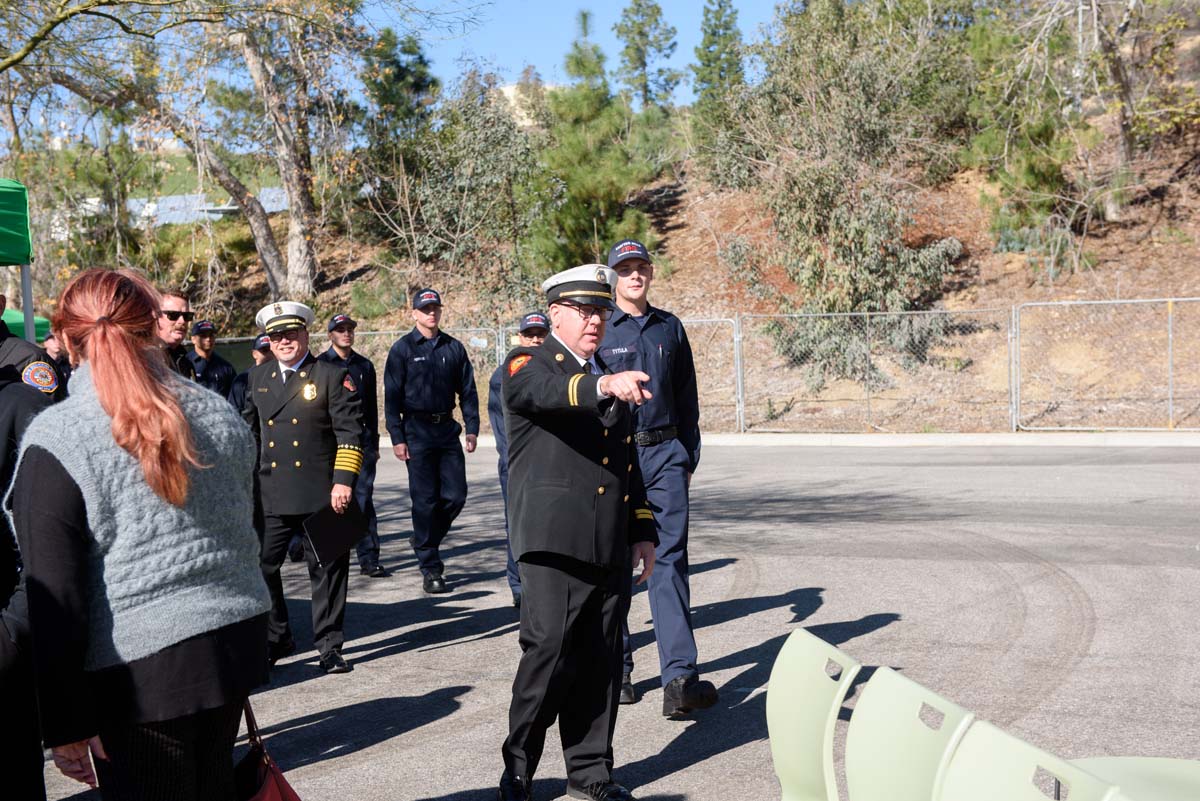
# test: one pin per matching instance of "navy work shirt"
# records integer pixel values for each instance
(658, 346)
(362, 373)
(495, 407)
(424, 376)
(213, 373)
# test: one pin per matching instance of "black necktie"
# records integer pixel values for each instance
(287, 376)
(587, 368)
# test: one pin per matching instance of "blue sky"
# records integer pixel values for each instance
(512, 33)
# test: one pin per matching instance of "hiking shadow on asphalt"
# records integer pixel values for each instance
(740, 716)
(336, 733)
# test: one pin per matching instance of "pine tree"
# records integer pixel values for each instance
(648, 40)
(718, 66)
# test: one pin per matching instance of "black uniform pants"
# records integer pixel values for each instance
(328, 585)
(21, 760)
(184, 759)
(570, 666)
(437, 485)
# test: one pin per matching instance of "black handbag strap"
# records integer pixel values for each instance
(252, 726)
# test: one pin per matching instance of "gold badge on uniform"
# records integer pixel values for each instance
(310, 392)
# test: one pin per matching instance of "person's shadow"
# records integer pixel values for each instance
(335, 733)
(737, 720)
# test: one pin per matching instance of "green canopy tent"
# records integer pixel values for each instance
(15, 320)
(16, 247)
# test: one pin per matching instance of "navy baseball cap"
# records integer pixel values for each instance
(534, 320)
(341, 319)
(201, 327)
(426, 297)
(627, 249)
(262, 342)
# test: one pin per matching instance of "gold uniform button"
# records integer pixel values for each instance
(627, 439)
(297, 422)
(297, 464)
(270, 444)
(296, 443)
(270, 422)
(626, 499)
(604, 460)
(274, 465)
(600, 491)
(606, 432)
(629, 468)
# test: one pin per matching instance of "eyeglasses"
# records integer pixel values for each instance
(174, 316)
(292, 335)
(588, 312)
(343, 329)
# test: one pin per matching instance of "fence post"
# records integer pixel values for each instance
(870, 367)
(1171, 365)
(1015, 369)
(739, 380)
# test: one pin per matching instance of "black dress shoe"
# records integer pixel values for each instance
(685, 693)
(434, 585)
(514, 788)
(279, 650)
(628, 695)
(374, 571)
(601, 791)
(516, 599)
(333, 662)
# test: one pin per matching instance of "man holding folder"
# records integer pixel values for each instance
(305, 416)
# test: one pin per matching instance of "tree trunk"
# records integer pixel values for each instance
(260, 227)
(15, 146)
(1118, 72)
(291, 160)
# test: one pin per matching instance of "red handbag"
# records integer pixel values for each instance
(256, 776)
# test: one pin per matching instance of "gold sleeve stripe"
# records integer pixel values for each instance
(573, 389)
(643, 514)
(349, 460)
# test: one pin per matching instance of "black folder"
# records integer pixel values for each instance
(332, 535)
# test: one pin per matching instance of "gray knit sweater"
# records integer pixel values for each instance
(159, 574)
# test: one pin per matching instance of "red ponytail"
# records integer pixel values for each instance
(108, 318)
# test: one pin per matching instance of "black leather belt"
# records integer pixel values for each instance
(431, 417)
(656, 436)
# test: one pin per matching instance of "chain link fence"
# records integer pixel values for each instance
(1085, 365)
(1125, 365)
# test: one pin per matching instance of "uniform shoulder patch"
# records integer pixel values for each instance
(40, 375)
(348, 383)
(518, 362)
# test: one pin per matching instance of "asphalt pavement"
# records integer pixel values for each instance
(1053, 591)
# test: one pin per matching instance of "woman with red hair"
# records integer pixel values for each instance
(132, 504)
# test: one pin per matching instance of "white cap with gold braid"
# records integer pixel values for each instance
(588, 284)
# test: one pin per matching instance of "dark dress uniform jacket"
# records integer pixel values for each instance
(575, 486)
(26, 362)
(309, 434)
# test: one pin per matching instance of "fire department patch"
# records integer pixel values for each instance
(41, 376)
(348, 383)
(516, 364)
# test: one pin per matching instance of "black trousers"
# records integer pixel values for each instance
(437, 485)
(184, 759)
(570, 666)
(328, 585)
(21, 760)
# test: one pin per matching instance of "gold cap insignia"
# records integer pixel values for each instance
(310, 392)
(278, 308)
(601, 276)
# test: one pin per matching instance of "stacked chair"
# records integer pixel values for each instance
(907, 743)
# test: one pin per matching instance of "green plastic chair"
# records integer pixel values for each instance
(992, 765)
(1148, 778)
(901, 739)
(804, 695)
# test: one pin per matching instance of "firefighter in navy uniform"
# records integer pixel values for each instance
(305, 415)
(579, 523)
(534, 329)
(23, 361)
(425, 370)
(211, 369)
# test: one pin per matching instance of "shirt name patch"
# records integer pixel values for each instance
(620, 351)
(419, 358)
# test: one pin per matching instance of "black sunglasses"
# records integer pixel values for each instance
(173, 316)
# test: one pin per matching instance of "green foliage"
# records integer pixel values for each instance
(648, 40)
(599, 154)
(400, 87)
(717, 72)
